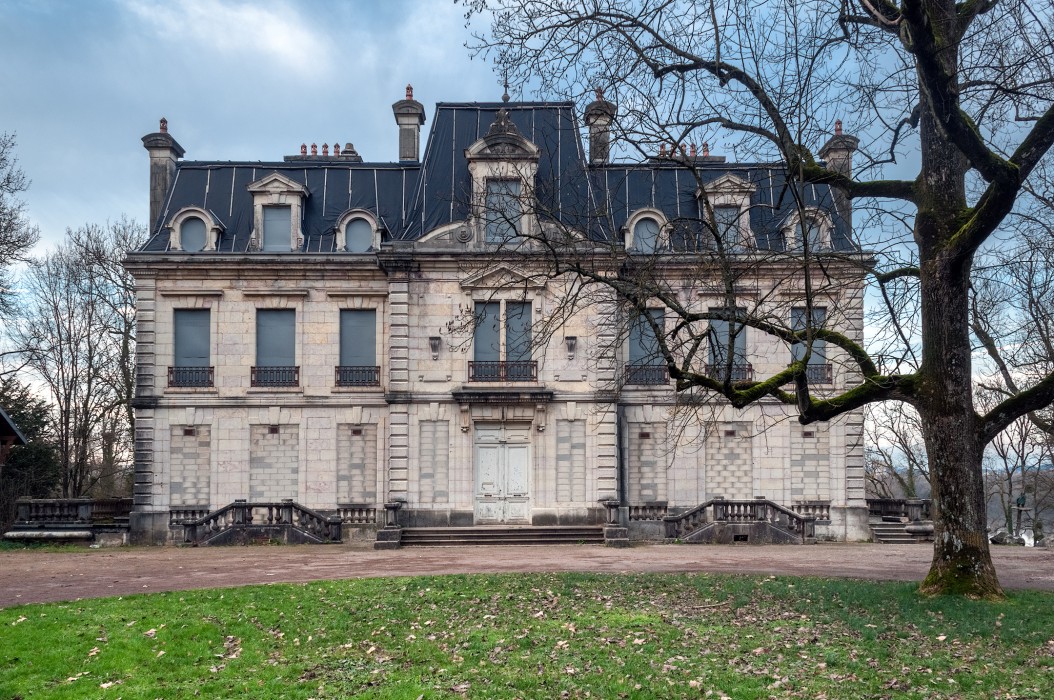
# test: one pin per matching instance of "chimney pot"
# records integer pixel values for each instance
(706, 149)
(837, 127)
(662, 150)
(314, 149)
(692, 151)
(336, 148)
(684, 151)
(325, 149)
(164, 126)
(409, 91)
(303, 149)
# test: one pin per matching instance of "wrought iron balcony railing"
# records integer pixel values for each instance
(503, 371)
(740, 373)
(646, 374)
(190, 376)
(819, 373)
(275, 376)
(351, 375)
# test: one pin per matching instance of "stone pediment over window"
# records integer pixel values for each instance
(502, 142)
(277, 211)
(500, 277)
(729, 184)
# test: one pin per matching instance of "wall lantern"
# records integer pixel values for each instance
(435, 343)
(572, 345)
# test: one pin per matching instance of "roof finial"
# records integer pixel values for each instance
(164, 125)
(409, 91)
(599, 91)
(505, 96)
(837, 127)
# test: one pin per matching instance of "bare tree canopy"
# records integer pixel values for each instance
(17, 236)
(953, 103)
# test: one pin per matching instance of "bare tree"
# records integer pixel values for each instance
(895, 456)
(17, 235)
(968, 86)
(76, 331)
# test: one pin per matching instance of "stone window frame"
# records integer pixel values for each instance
(662, 240)
(363, 300)
(730, 191)
(277, 190)
(821, 217)
(213, 228)
(351, 215)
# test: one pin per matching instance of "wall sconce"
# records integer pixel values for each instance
(572, 345)
(435, 343)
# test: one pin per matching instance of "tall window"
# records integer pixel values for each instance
(275, 348)
(503, 210)
(727, 220)
(358, 348)
(493, 359)
(810, 233)
(646, 235)
(817, 369)
(727, 352)
(277, 228)
(190, 361)
(646, 364)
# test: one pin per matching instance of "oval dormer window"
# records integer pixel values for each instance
(646, 235)
(358, 236)
(192, 234)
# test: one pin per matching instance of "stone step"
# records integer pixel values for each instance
(454, 536)
(891, 533)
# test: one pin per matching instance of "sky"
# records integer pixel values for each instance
(81, 81)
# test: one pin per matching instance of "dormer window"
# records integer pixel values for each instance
(646, 231)
(357, 232)
(503, 210)
(192, 230)
(811, 228)
(728, 197)
(726, 218)
(277, 205)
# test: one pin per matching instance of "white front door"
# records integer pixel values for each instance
(503, 464)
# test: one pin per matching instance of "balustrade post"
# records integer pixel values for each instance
(761, 508)
(239, 512)
(720, 508)
(286, 511)
(611, 506)
(913, 508)
(391, 514)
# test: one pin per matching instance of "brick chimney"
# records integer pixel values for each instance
(838, 153)
(409, 115)
(165, 153)
(598, 116)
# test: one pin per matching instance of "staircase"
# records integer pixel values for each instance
(886, 532)
(500, 535)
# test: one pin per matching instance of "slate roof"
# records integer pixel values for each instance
(8, 429)
(411, 199)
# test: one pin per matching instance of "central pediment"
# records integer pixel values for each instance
(502, 277)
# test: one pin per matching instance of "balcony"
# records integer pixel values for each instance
(350, 375)
(275, 376)
(503, 371)
(190, 376)
(739, 373)
(819, 373)
(639, 374)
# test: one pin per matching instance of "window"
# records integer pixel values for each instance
(726, 219)
(277, 225)
(727, 352)
(499, 356)
(810, 232)
(192, 234)
(817, 370)
(358, 348)
(275, 348)
(502, 215)
(190, 361)
(646, 235)
(646, 364)
(358, 236)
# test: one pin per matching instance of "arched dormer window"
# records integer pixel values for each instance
(503, 165)
(646, 231)
(193, 229)
(811, 228)
(357, 232)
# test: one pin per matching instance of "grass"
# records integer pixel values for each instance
(534, 636)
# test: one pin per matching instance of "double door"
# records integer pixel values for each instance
(503, 467)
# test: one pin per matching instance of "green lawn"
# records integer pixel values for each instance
(534, 636)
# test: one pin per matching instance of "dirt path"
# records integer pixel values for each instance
(36, 577)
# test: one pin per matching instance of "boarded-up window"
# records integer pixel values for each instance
(357, 464)
(643, 340)
(646, 462)
(358, 236)
(358, 337)
(434, 472)
(275, 337)
(486, 341)
(191, 330)
(571, 464)
(277, 228)
(192, 234)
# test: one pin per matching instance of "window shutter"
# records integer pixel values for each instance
(192, 234)
(275, 338)
(191, 329)
(643, 343)
(819, 347)
(278, 228)
(518, 332)
(486, 340)
(358, 338)
(358, 236)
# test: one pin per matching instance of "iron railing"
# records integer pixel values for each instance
(350, 375)
(503, 371)
(646, 374)
(739, 373)
(190, 376)
(275, 376)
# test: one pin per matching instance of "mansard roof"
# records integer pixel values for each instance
(411, 199)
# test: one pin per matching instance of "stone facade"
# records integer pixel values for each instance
(425, 424)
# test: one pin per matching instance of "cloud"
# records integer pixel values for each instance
(273, 33)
